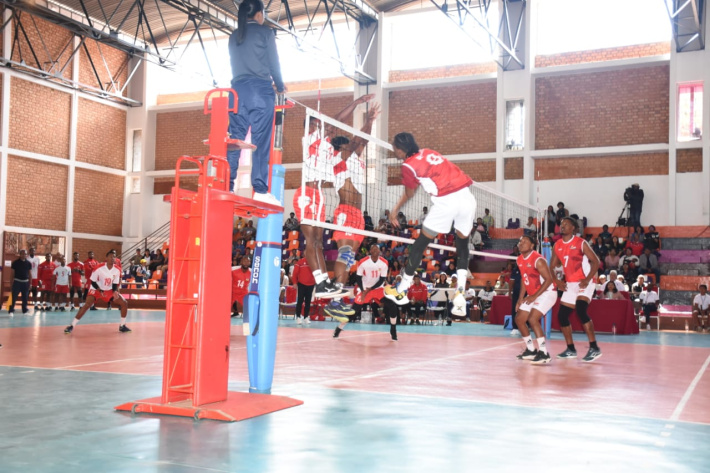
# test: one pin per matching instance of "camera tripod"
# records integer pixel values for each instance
(624, 222)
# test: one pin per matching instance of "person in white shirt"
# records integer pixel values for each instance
(470, 297)
(649, 299)
(613, 276)
(701, 308)
(34, 278)
(105, 280)
(601, 286)
(62, 273)
(630, 258)
(485, 298)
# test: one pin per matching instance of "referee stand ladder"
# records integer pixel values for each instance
(197, 320)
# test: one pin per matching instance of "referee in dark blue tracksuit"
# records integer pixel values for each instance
(20, 281)
(255, 64)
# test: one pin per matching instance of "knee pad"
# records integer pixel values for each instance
(462, 253)
(563, 315)
(346, 255)
(581, 308)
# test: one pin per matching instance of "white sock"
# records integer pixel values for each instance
(405, 283)
(74, 322)
(319, 276)
(542, 345)
(461, 275)
(528, 343)
(123, 320)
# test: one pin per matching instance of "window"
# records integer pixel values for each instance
(136, 150)
(514, 124)
(690, 112)
(135, 185)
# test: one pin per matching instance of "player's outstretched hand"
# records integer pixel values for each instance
(393, 220)
(366, 98)
(374, 111)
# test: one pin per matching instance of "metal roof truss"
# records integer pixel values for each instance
(688, 23)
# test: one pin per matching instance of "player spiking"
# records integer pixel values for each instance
(537, 296)
(309, 202)
(452, 203)
(580, 264)
(105, 280)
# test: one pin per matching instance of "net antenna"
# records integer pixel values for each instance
(382, 188)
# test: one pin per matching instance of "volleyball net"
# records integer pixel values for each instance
(349, 175)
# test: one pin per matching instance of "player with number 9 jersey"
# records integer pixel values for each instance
(574, 262)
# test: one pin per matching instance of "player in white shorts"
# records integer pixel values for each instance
(537, 296)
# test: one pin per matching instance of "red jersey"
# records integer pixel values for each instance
(436, 174)
(45, 271)
(302, 273)
(76, 268)
(89, 266)
(240, 282)
(574, 262)
(532, 279)
(417, 293)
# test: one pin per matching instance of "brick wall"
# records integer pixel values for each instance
(689, 160)
(101, 134)
(292, 179)
(479, 171)
(608, 54)
(451, 120)
(443, 72)
(114, 62)
(180, 134)
(649, 164)
(54, 37)
(164, 185)
(513, 168)
(98, 203)
(99, 247)
(39, 118)
(28, 204)
(622, 107)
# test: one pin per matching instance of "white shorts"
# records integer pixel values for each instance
(542, 304)
(573, 292)
(458, 208)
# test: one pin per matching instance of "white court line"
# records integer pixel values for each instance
(104, 362)
(689, 392)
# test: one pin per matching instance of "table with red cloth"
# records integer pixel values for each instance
(605, 314)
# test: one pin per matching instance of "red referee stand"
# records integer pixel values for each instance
(197, 322)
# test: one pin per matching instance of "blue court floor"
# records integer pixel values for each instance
(441, 399)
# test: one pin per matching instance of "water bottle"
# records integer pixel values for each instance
(686, 325)
(613, 329)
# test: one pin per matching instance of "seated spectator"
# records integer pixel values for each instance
(622, 279)
(384, 226)
(649, 300)
(395, 270)
(701, 309)
(425, 212)
(601, 285)
(638, 232)
(146, 256)
(561, 213)
(481, 228)
(136, 259)
(635, 245)
(249, 231)
(402, 220)
(239, 247)
(637, 287)
(618, 245)
(629, 258)
(605, 235)
(284, 281)
(450, 269)
(530, 228)
(142, 274)
(476, 241)
(652, 240)
(485, 299)
(158, 261)
(600, 249)
(488, 219)
(550, 220)
(580, 224)
(470, 296)
(291, 223)
(368, 221)
(648, 264)
(418, 296)
(611, 261)
(611, 292)
(502, 286)
(628, 273)
(614, 277)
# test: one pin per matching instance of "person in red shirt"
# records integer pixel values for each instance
(305, 282)
(45, 274)
(417, 295)
(452, 202)
(240, 285)
(580, 264)
(89, 266)
(635, 245)
(77, 271)
(537, 296)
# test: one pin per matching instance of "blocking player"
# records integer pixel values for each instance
(452, 203)
(77, 271)
(309, 202)
(537, 296)
(579, 264)
(105, 280)
(45, 273)
(371, 277)
(34, 278)
(89, 266)
(60, 282)
(240, 285)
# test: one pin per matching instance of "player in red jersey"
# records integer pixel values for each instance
(452, 203)
(302, 278)
(580, 264)
(105, 280)
(89, 266)
(240, 285)
(371, 277)
(537, 296)
(45, 273)
(77, 271)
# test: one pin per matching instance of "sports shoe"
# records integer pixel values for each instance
(541, 358)
(393, 334)
(49, 309)
(72, 308)
(459, 304)
(338, 308)
(515, 332)
(299, 320)
(592, 355)
(69, 329)
(307, 320)
(62, 309)
(568, 354)
(399, 298)
(93, 307)
(528, 355)
(327, 290)
(124, 329)
(267, 198)
(336, 334)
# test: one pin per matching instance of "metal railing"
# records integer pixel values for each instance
(153, 241)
